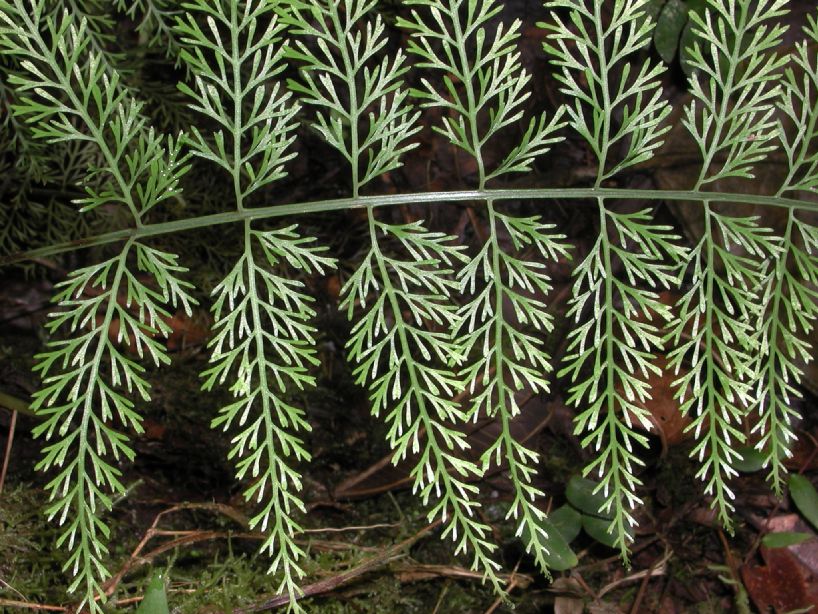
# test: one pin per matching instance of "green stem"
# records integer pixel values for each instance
(14, 404)
(424, 198)
(471, 100)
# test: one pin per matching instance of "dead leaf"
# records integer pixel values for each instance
(664, 414)
(782, 584)
(806, 552)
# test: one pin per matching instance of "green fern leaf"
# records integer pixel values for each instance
(437, 338)
(615, 301)
(71, 96)
(401, 360)
(509, 359)
(263, 341)
(791, 296)
(402, 342)
(484, 89)
(731, 120)
(235, 56)
(361, 109)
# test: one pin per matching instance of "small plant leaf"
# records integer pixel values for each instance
(600, 530)
(559, 555)
(669, 26)
(567, 520)
(785, 539)
(585, 495)
(750, 460)
(805, 498)
(156, 599)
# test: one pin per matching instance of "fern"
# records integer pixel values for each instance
(86, 377)
(433, 321)
(405, 364)
(498, 356)
(790, 296)
(723, 307)
(615, 301)
(263, 340)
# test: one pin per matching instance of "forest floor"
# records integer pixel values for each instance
(370, 548)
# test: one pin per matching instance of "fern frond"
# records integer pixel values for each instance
(484, 83)
(70, 104)
(617, 107)
(32, 158)
(403, 363)
(21, 214)
(612, 354)
(360, 107)
(263, 341)
(238, 55)
(598, 77)
(361, 111)
(101, 32)
(484, 90)
(437, 338)
(720, 316)
(720, 322)
(734, 86)
(66, 89)
(792, 296)
(798, 104)
(793, 308)
(512, 296)
(265, 345)
(81, 397)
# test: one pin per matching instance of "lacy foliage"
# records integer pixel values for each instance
(441, 334)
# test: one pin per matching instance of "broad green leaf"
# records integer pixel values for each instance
(805, 497)
(600, 530)
(669, 25)
(155, 600)
(567, 520)
(750, 460)
(587, 496)
(559, 556)
(686, 42)
(784, 539)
